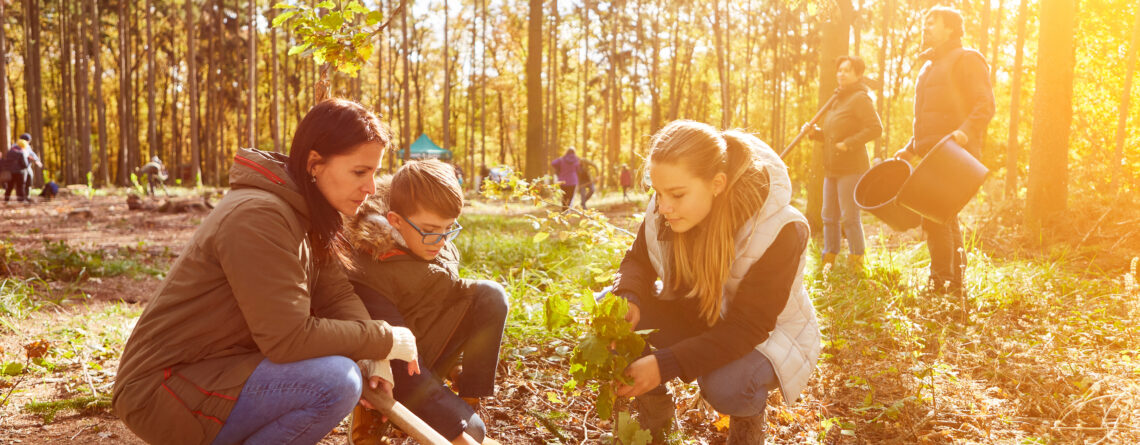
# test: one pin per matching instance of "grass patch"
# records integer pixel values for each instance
(86, 404)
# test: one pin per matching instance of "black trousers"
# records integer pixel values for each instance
(947, 256)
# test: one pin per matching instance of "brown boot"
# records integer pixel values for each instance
(827, 261)
(747, 430)
(855, 261)
(365, 427)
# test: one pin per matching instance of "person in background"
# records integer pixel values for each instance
(155, 173)
(585, 181)
(17, 167)
(626, 179)
(33, 160)
(566, 169)
(953, 97)
(847, 128)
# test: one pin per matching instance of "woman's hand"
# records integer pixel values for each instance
(375, 382)
(841, 146)
(414, 367)
(645, 375)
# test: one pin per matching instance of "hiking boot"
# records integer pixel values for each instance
(828, 259)
(365, 427)
(855, 261)
(655, 413)
(747, 430)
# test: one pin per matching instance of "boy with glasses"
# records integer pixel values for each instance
(406, 272)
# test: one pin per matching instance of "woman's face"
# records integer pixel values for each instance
(684, 200)
(846, 74)
(346, 180)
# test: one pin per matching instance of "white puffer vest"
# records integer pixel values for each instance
(793, 346)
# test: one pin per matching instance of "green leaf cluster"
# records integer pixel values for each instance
(606, 349)
(330, 34)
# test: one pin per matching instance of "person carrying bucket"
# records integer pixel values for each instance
(953, 97)
(847, 127)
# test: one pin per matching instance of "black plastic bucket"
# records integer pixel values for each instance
(943, 183)
(877, 190)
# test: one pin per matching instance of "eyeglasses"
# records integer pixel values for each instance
(434, 238)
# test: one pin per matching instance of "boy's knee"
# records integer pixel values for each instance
(476, 428)
(492, 296)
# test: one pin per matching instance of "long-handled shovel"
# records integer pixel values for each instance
(403, 418)
(810, 124)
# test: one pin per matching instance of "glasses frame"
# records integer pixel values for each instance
(446, 236)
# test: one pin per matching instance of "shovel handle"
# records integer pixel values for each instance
(402, 417)
(819, 114)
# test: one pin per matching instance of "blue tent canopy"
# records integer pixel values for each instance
(424, 148)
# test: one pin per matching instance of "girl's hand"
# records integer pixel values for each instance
(645, 375)
(633, 315)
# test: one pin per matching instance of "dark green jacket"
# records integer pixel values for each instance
(854, 122)
(429, 295)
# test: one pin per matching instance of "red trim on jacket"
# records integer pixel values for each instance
(390, 254)
(260, 169)
(168, 372)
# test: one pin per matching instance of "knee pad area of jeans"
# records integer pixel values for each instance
(344, 381)
(475, 428)
(736, 400)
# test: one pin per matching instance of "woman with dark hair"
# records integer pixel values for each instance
(254, 335)
(847, 128)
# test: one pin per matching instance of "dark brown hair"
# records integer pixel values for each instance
(857, 64)
(331, 128)
(426, 185)
(950, 17)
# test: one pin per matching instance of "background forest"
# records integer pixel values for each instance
(102, 85)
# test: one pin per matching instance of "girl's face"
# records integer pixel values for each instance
(684, 200)
(346, 180)
(846, 74)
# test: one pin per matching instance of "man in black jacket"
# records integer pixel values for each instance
(953, 97)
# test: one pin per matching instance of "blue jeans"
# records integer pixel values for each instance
(297, 402)
(476, 339)
(740, 388)
(839, 210)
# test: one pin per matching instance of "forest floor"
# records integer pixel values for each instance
(1043, 349)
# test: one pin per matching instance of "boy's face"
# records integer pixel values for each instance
(428, 222)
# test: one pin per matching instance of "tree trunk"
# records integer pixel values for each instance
(883, 144)
(121, 177)
(446, 118)
(1052, 113)
(82, 84)
(1125, 102)
(33, 80)
(252, 117)
(1013, 149)
(275, 106)
(66, 105)
(104, 177)
(406, 124)
(151, 133)
(584, 79)
(535, 151)
(5, 124)
(720, 39)
(654, 75)
(192, 76)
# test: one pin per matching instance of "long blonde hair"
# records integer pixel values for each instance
(701, 257)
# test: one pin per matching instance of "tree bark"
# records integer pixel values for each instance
(535, 151)
(151, 133)
(1052, 113)
(446, 118)
(5, 124)
(406, 124)
(33, 80)
(104, 177)
(275, 106)
(82, 85)
(1013, 149)
(252, 117)
(1125, 103)
(834, 44)
(192, 76)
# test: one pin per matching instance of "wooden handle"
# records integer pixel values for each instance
(813, 120)
(402, 417)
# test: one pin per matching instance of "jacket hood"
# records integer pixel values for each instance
(369, 229)
(779, 183)
(266, 170)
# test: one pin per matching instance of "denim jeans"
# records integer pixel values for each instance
(947, 257)
(840, 211)
(476, 340)
(297, 402)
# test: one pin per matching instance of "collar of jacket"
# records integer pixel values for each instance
(267, 170)
(935, 53)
